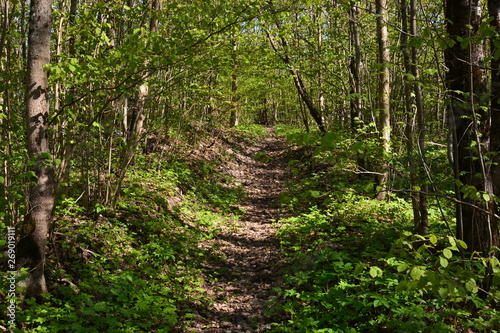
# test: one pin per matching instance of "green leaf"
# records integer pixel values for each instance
(45, 155)
(433, 239)
(443, 292)
(443, 262)
(315, 194)
(447, 253)
(375, 271)
(462, 244)
(403, 267)
(416, 273)
(486, 197)
(494, 262)
(471, 285)
(31, 174)
(359, 268)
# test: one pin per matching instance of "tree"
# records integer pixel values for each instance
(494, 13)
(234, 117)
(355, 68)
(470, 126)
(412, 88)
(283, 50)
(384, 93)
(31, 248)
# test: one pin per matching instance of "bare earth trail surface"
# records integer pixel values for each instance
(247, 263)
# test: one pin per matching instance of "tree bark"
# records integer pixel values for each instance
(494, 11)
(471, 127)
(355, 69)
(31, 248)
(422, 224)
(384, 94)
(416, 165)
(234, 117)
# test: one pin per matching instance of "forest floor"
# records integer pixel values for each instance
(246, 262)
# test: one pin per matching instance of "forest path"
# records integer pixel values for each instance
(246, 261)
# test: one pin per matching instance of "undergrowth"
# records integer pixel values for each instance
(135, 267)
(355, 264)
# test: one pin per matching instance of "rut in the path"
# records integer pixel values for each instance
(248, 262)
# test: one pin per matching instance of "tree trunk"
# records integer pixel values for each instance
(384, 92)
(233, 121)
(494, 11)
(355, 79)
(471, 127)
(31, 248)
(137, 117)
(297, 80)
(422, 224)
(355, 69)
(416, 161)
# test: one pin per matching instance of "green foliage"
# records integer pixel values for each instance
(355, 268)
(262, 157)
(250, 132)
(135, 267)
(355, 265)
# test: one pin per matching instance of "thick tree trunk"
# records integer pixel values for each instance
(31, 248)
(494, 11)
(384, 94)
(471, 128)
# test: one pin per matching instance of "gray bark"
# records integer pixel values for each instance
(31, 248)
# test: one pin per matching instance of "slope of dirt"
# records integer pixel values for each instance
(246, 263)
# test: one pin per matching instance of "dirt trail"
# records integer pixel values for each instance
(247, 262)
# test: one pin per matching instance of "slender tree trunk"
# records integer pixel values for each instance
(302, 90)
(233, 121)
(417, 171)
(321, 95)
(355, 79)
(384, 92)
(422, 224)
(31, 248)
(137, 117)
(355, 69)
(410, 123)
(298, 82)
(5, 11)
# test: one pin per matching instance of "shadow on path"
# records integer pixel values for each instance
(246, 261)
